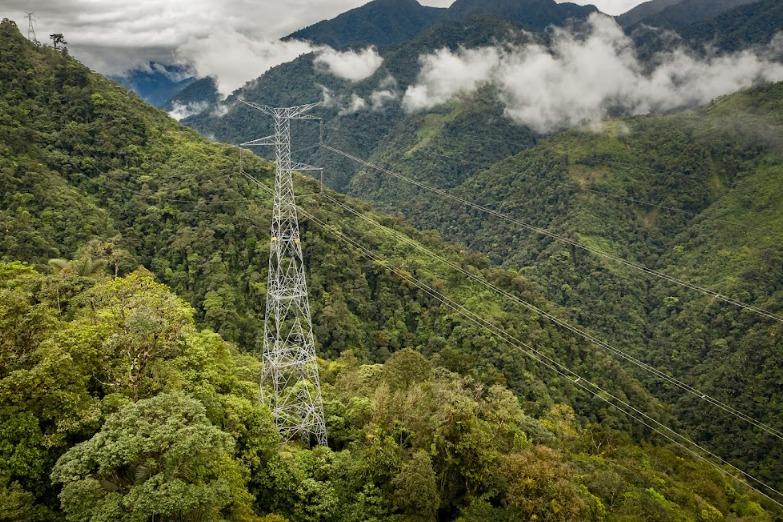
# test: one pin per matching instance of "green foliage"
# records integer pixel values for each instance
(106, 371)
(754, 23)
(380, 23)
(712, 177)
(175, 204)
(411, 440)
(159, 457)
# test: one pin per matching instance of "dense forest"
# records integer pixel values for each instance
(131, 294)
(116, 406)
(694, 194)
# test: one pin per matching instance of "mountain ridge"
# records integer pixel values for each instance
(381, 23)
(688, 12)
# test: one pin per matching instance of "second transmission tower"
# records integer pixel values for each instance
(290, 366)
(31, 27)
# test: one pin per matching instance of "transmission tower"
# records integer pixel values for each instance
(290, 366)
(30, 27)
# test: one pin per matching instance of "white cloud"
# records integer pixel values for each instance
(235, 40)
(379, 99)
(329, 98)
(180, 111)
(357, 104)
(446, 74)
(582, 79)
(234, 58)
(351, 65)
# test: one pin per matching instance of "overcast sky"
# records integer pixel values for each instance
(232, 39)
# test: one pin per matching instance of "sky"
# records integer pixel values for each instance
(234, 40)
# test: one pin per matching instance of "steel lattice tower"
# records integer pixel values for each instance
(290, 367)
(31, 27)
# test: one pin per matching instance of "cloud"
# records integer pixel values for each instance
(446, 74)
(379, 99)
(386, 92)
(351, 65)
(180, 111)
(234, 40)
(583, 79)
(234, 58)
(356, 104)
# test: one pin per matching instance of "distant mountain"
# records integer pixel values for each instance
(688, 12)
(743, 27)
(360, 132)
(533, 15)
(644, 10)
(157, 83)
(752, 24)
(380, 22)
(386, 23)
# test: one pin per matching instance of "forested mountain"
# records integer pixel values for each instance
(534, 15)
(362, 131)
(753, 24)
(197, 97)
(119, 401)
(598, 186)
(379, 22)
(712, 181)
(386, 23)
(681, 14)
(644, 10)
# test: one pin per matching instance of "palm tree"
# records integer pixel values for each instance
(82, 267)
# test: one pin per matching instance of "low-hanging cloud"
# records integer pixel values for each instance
(581, 80)
(446, 74)
(356, 104)
(234, 41)
(349, 65)
(233, 58)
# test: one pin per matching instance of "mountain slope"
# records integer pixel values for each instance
(388, 23)
(533, 15)
(360, 132)
(175, 203)
(644, 10)
(380, 22)
(114, 403)
(753, 24)
(197, 97)
(588, 185)
(688, 12)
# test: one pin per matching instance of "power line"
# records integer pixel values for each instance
(577, 380)
(657, 205)
(484, 166)
(557, 237)
(573, 329)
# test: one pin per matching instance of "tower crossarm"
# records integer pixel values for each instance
(259, 107)
(303, 167)
(267, 141)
